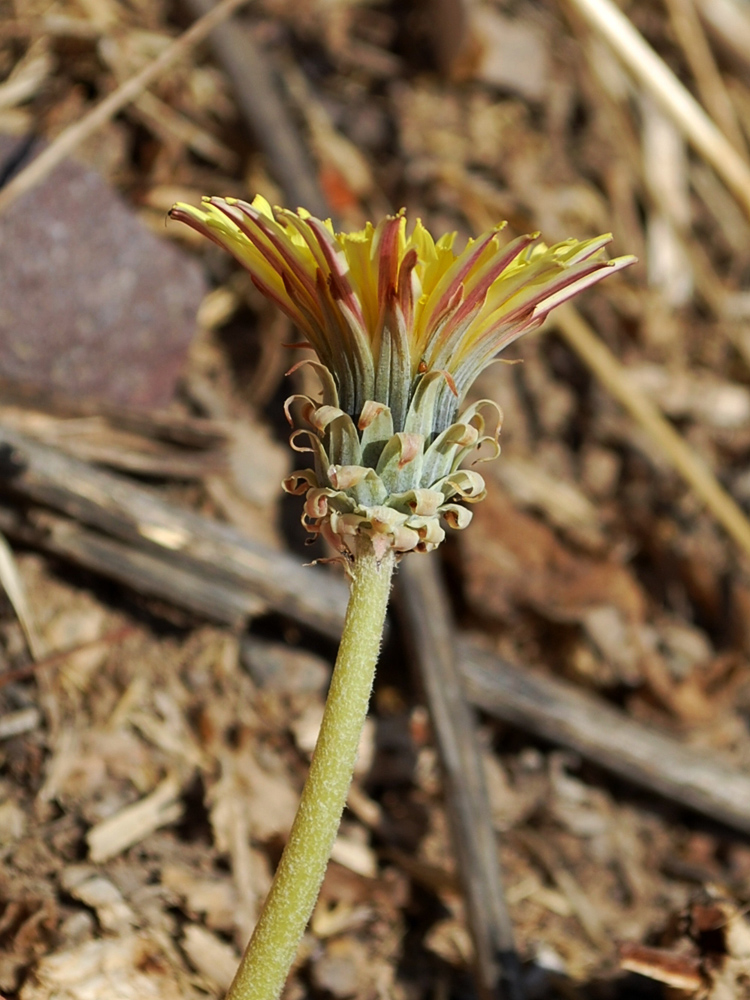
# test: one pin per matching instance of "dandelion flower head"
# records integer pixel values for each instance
(402, 324)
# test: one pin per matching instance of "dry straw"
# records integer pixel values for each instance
(676, 101)
(72, 137)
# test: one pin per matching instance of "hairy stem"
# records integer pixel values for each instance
(273, 946)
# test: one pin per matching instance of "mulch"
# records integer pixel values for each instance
(155, 728)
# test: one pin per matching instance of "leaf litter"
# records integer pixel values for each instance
(148, 780)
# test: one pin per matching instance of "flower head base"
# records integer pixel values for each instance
(402, 326)
(396, 486)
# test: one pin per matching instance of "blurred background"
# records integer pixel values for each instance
(164, 653)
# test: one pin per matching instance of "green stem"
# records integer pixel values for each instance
(289, 905)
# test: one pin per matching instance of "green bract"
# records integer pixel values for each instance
(396, 486)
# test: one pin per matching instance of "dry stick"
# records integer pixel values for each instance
(195, 588)
(79, 131)
(268, 118)
(655, 76)
(203, 557)
(431, 637)
(614, 377)
(689, 31)
(177, 428)
(561, 712)
(729, 22)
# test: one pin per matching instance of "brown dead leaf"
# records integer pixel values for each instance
(514, 560)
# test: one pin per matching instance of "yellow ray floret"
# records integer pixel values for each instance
(381, 306)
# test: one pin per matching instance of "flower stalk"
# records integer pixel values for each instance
(295, 888)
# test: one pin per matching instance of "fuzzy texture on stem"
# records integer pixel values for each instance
(295, 888)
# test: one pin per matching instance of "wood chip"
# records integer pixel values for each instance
(129, 968)
(25, 720)
(129, 826)
(213, 958)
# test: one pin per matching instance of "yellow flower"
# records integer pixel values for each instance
(402, 325)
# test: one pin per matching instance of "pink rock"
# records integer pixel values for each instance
(91, 302)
